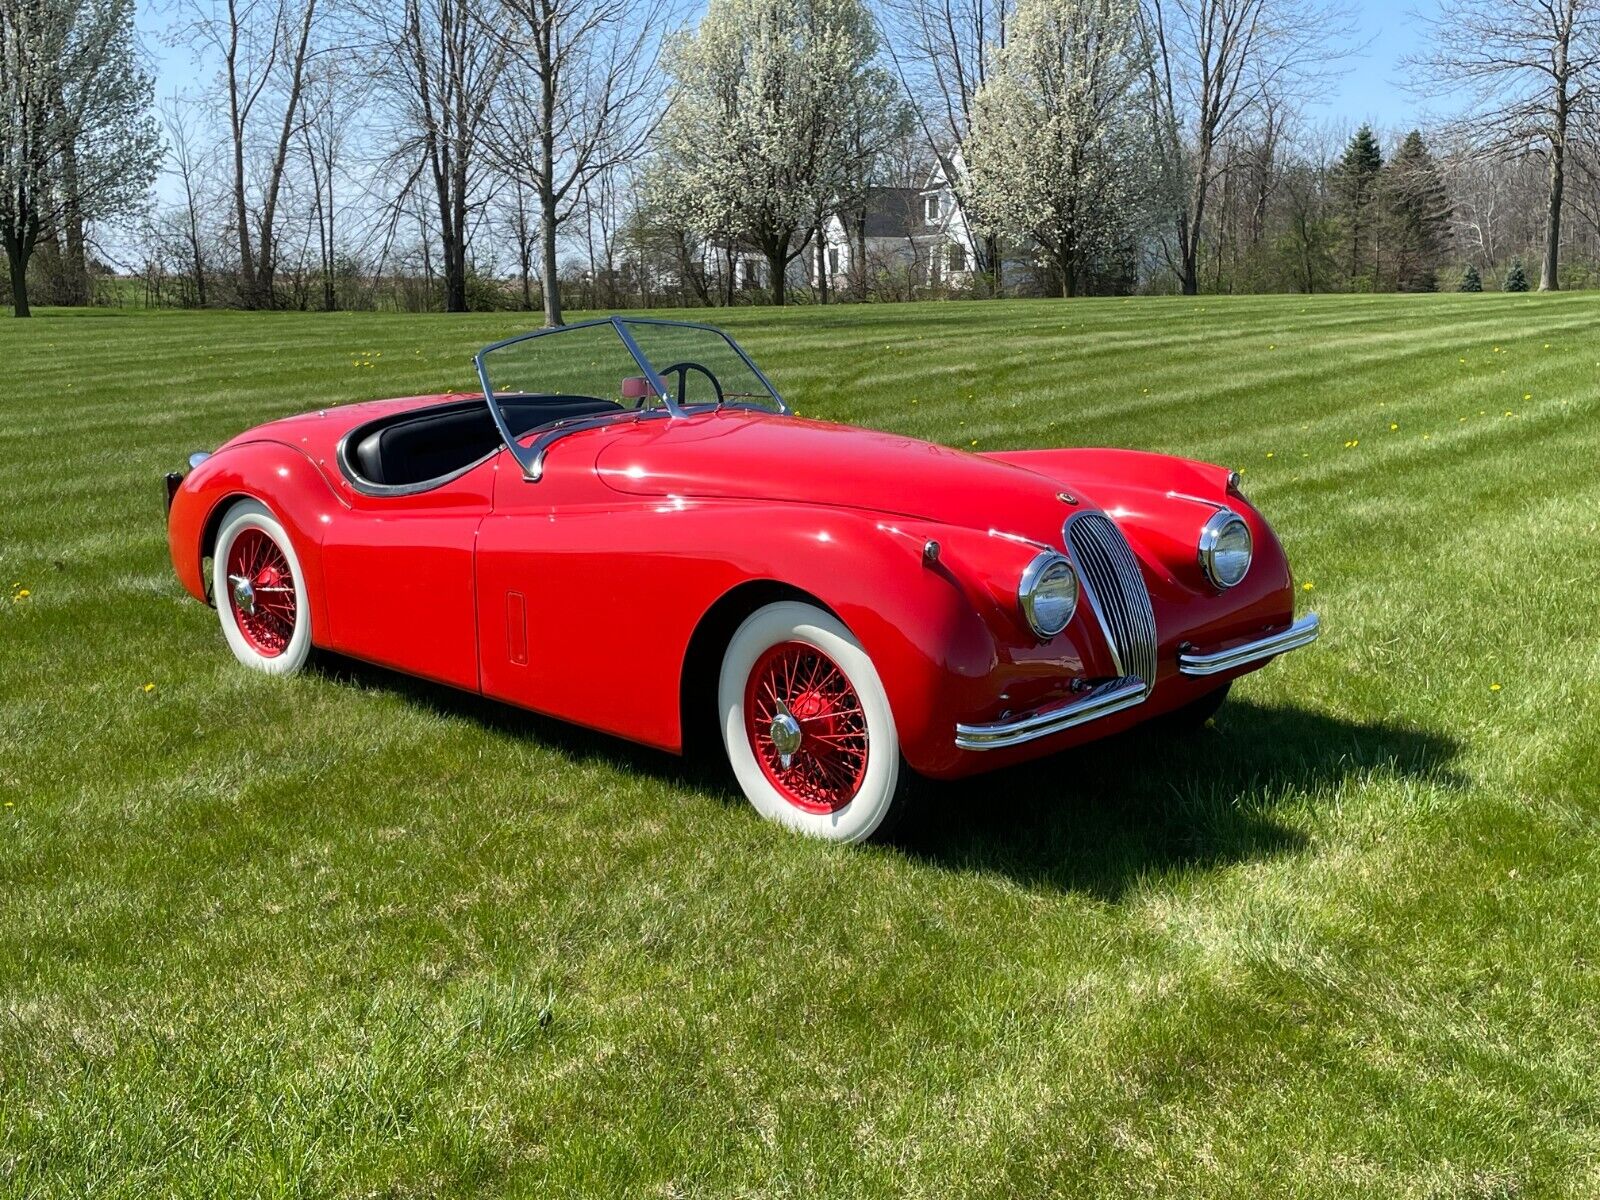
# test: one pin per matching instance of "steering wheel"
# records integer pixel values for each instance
(683, 369)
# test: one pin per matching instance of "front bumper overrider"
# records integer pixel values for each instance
(1116, 695)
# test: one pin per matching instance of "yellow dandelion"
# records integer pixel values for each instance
(1269, 453)
(24, 594)
(1307, 586)
(1527, 395)
(1509, 413)
(1494, 687)
(149, 687)
(1393, 427)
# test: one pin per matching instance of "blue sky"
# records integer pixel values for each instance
(1369, 90)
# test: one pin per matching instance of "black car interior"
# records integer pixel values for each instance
(418, 450)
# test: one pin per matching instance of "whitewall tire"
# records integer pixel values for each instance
(260, 591)
(807, 725)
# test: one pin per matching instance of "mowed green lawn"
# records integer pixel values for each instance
(354, 935)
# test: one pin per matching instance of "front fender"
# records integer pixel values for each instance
(279, 476)
(1161, 503)
(941, 625)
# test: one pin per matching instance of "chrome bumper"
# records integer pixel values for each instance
(1102, 700)
(1115, 695)
(1302, 633)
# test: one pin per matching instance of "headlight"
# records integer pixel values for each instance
(1225, 549)
(1048, 593)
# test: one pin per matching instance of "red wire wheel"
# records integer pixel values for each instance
(261, 592)
(807, 727)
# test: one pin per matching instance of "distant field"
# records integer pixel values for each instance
(353, 936)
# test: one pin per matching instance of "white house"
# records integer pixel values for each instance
(919, 231)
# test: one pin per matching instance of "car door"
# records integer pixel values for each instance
(564, 628)
(399, 575)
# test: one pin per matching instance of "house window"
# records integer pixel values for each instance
(833, 260)
(931, 209)
(957, 257)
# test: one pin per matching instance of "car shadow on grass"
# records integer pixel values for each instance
(1102, 818)
(1095, 820)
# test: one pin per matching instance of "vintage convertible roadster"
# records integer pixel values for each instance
(628, 529)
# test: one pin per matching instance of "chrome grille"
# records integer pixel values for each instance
(1116, 590)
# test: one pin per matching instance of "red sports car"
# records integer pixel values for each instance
(628, 529)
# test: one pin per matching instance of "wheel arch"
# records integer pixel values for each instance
(702, 660)
(213, 526)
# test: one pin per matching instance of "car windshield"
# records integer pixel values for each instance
(600, 370)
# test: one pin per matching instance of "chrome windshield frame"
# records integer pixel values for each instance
(677, 411)
(531, 457)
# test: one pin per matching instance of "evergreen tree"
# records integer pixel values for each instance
(1418, 211)
(1470, 280)
(1355, 187)
(1516, 281)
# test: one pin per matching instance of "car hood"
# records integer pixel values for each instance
(737, 454)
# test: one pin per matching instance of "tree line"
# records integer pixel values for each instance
(534, 154)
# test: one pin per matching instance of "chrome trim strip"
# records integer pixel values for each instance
(533, 469)
(1302, 633)
(1102, 700)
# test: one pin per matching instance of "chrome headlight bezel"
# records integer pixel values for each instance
(1211, 535)
(1046, 566)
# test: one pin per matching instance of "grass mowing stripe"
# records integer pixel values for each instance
(350, 934)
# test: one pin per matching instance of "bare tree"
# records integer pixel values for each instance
(439, 71)
(263, 47)
(334, 95)
(187, 163)
(586, 99)
(1211, 63)
(1527, 71)
(522, 226)
(943, 53)
(76, 138)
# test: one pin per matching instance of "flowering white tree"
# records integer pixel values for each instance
(77, 140)
(1057, 150)
(778, 112)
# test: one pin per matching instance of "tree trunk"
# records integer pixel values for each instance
(547, 253)
(777, 262)
(76, 260)
(859, 267)
(19, 281)
(822, 266)
(1549, 279)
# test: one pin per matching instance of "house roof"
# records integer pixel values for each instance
(893, 212)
